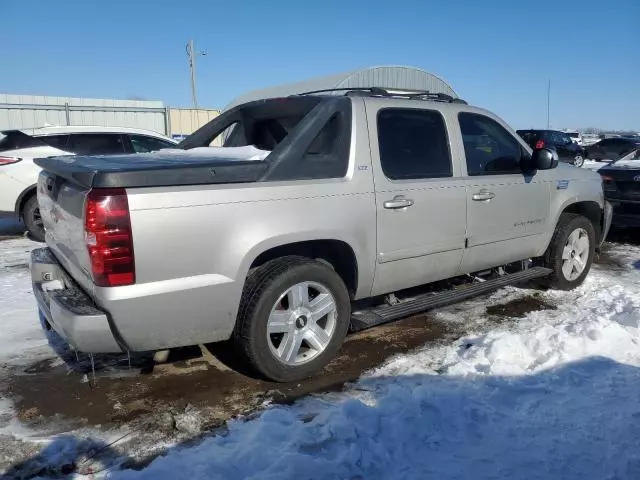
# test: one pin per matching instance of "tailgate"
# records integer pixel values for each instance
(62, 210)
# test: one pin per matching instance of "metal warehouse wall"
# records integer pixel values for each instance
(29, 111)
(184, 121)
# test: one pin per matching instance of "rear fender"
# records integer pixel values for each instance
(23, 197)
(364, 269)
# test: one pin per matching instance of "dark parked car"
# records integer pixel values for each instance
(568, 150)
(621, 185)
(612, 148)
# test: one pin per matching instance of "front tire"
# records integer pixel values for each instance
(578, 161)
(32, 219)
(293, 317)
(570, 253)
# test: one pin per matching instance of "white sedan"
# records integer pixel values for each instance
(18, 148)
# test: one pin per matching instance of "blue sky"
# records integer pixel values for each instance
(496, 54)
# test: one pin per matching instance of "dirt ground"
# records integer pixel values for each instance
(197, 391)
(213, 382)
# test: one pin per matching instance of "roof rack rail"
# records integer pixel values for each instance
(389, 93)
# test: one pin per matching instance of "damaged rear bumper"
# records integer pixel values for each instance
(68, 309)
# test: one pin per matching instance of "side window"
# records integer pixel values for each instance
(413, 144)
(143, 143)
(96, 143)
(324, 158)
(232, 136)
(529, 137)
(488, 147)
(56, 141)
(555, 138)
(325, 142)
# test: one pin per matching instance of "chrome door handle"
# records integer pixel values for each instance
(483, 196)
(398, 202)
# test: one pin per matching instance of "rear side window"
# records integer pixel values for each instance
(96, 143)
(529, 136)
(143, 143)
(559, 138)
(57, 141)
(327, 156)
(413, 144)
(315, 145)
(488, 147)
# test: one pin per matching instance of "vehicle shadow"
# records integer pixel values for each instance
(68, 455)
(577, 421)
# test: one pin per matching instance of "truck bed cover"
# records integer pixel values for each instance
(154, 169)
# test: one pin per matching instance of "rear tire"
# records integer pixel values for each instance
(32, 219)
(570, 253)
(293, 317)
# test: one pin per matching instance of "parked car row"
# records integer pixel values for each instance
(611, 149)
(569, 151)
(19, 174)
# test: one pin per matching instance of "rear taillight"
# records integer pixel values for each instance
(108, 236)
(9, 160)
(540, 144)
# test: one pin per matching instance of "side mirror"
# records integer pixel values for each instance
(544, 159)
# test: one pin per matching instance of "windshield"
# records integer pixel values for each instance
(574, 134)
(632, 157)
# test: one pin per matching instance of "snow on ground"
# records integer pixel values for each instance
(593, 165)
(552, 396)
(21, 336)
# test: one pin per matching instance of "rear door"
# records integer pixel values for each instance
(420, 197)
(507, 211)
(97, 143)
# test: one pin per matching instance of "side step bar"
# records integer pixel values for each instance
(363, 319)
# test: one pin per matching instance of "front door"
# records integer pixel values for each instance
(507, 211)
(420, 197)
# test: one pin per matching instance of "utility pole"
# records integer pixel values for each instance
(191, 53)
(548, 104)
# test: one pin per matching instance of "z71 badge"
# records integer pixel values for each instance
(562, 184)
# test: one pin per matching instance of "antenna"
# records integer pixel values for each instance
(191, 53)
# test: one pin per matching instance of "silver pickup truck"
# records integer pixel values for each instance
(357, 198)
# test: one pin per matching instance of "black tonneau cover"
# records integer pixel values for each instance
(152, 170)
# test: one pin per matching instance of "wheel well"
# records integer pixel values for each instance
(23, 198)
(338, 254)
(590, 210)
